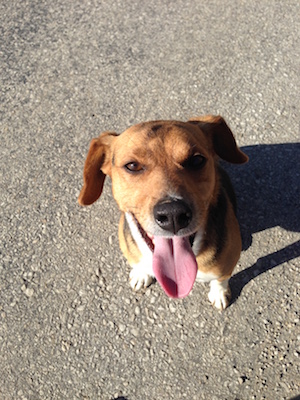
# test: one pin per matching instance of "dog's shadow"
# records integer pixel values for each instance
(268, 194)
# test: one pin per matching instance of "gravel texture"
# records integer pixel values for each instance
(70, 326)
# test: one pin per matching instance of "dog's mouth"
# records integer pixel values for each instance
(174, 263)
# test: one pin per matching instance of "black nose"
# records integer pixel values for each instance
(172, 215)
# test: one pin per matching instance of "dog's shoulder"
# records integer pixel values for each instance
(217, 221)
(227, 186)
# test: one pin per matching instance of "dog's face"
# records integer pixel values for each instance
(163, 174)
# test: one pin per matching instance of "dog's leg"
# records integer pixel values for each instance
(141, 275)
(219, 294)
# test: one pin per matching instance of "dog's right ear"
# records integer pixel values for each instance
(97, 161)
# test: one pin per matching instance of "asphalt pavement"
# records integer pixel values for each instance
(70, 325)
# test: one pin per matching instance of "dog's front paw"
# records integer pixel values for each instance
(139, 279)
(219, 294)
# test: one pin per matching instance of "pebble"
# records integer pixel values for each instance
(137, 310)
(29, 292)
(135, 332)
(172, 308)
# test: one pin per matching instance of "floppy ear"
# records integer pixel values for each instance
(223, 140)
(96, 161)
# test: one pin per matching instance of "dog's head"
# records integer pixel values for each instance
(163, 173)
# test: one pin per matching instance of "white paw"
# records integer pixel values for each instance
(139, 279)
(219, 294)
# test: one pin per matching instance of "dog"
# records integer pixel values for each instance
(178, 221)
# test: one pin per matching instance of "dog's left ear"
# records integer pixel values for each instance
(97, 165)
(223, 140)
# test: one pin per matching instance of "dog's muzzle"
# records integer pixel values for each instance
(172, 215)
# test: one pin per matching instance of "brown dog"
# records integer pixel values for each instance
(178, 219)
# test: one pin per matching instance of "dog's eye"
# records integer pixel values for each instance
(195, 162)
(133, 166)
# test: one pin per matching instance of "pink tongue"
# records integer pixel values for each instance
(174, 265)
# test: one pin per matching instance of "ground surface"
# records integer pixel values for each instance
(70, 326)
